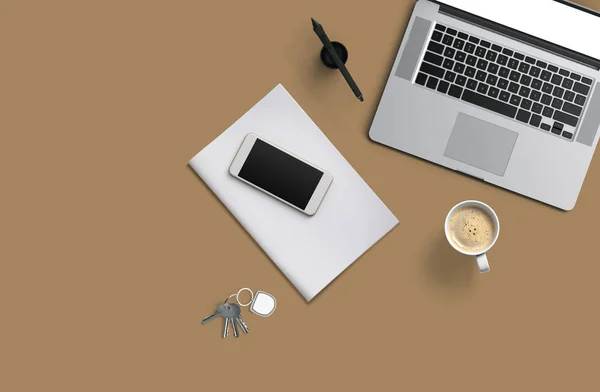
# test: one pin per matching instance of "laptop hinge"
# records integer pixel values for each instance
(520, 36)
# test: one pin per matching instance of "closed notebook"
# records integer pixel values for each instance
(311, 251)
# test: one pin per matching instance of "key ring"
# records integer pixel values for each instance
(237, 296)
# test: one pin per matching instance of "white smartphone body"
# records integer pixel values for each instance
(281, 174)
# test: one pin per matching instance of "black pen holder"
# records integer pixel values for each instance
(341, 51)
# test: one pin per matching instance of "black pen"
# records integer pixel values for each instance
(327, 43)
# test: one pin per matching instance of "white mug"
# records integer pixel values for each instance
(482, 261)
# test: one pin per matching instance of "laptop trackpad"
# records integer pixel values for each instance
(481, 144)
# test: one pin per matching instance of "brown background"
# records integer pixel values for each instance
(113, 250)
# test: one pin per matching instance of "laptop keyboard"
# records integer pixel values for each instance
(499, 79)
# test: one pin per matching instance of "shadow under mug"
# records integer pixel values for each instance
(482, 261)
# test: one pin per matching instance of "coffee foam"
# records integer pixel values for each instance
(471, 229)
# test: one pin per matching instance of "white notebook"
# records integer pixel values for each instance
(310, 250)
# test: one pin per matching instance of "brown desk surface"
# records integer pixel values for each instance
(113, 250)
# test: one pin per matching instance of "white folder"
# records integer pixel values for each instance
(310, 250)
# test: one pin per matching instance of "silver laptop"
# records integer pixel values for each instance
(505, 91)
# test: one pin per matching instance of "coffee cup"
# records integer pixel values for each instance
(472, 228)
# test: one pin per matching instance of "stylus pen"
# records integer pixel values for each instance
(327, 43)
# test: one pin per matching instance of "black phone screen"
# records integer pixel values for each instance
(280, 174)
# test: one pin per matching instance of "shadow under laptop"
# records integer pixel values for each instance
(449, 269)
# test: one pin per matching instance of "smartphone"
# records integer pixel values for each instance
(281, 174)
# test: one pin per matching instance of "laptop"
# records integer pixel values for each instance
(506, 91)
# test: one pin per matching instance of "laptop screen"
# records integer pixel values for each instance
(549, 20)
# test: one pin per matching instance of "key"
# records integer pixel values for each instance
(226, 328)
(235, 330)
(220, 310)
(238, 317)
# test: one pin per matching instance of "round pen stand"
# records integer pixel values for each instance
(341, 51)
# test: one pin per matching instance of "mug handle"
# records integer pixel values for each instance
(482, 263)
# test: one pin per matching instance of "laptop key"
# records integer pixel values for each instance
(432, 70)
(546, 99)
(455, 91)
(443, 86)
(519, 56)
(535, 95)
(526, 104)
(448, 64)
(431, 57)
(513, 87)
(558, 125)
(437, 36)
(493, 68)
(451, 31)
(482, 88)
(493, 92)
(460, 56)
(541, 64)
(586, 80)
(480, 75)
(556, 131)
(556, 79)
(548, 112)
(558, 92)
(475, 40)
(547, 88)
(449, 52)
(530, 60)
(567, 83)
(459, 68)
(564, 72)
(581, 88)
(470, 72)
(485, 44)
(507, 52)
(545, 127)
(557, 103)
(491, 80)
(569, 96)
(447, 40)
(480, 51)
(504, 72)
(552, 68)
(421, 79)
(504, 96)
(460, 80)
(514, 76)
(489, 103)
(580, 100)
(432, 82)
(502, 59)
(535, 72)
(537, 108)
(471, 60)
(523, 115)
(524, 67)
(575, 76)
(536, 84)
(515, 100)
(572, 109)
(568, 135)
(513, 64)
(440, 27)
(435, 47)
(524, 91)
(503, 83)
(471, 84)
(497, 48)
(463, 35)
(546, 76)
(525, 80)
(459, 44)
(450, 76)
(482, 64)
(535, 120)
(469, 48)
(491, 55)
